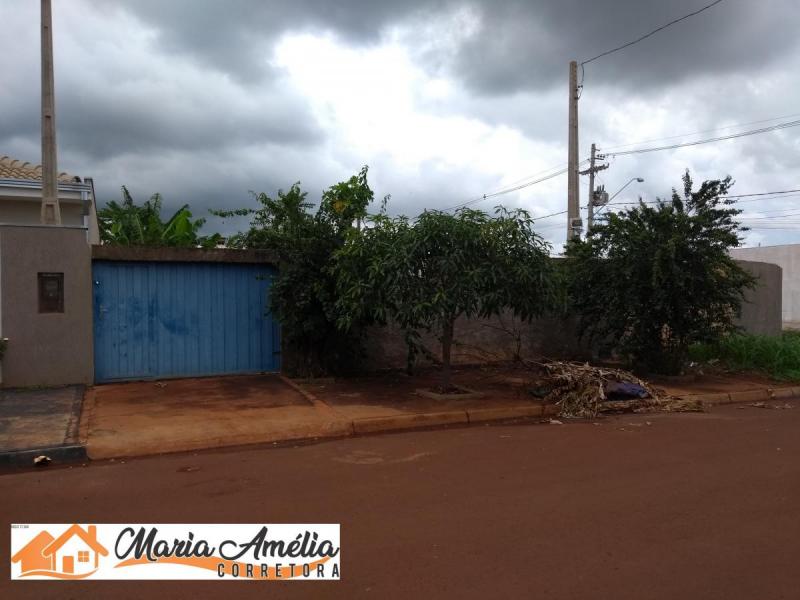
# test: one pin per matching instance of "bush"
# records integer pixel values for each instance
(652, 280)
(303, 295)
(425, 274)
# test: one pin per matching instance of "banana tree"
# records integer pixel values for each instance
(127, 224)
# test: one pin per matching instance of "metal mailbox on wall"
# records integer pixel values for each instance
(182, 319)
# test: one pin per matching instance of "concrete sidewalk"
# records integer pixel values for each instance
(40, 422)
(143, 418)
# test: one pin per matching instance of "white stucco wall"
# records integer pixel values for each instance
(25, 212)
(787, 257)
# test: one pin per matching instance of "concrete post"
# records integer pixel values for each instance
(573, 194)
(51, 210)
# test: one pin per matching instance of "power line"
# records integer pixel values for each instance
(780, 228)
(769, 199)
(762, 194)
(777, 195)
(531, 176)
(758, 211)
(647, 35)
(508, 190)
(731, 136)
(683, 135)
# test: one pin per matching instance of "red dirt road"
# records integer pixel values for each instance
(702, 506)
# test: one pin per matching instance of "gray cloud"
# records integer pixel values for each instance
(527, 44)
(518, 44)
(196, 109)
(236, 36)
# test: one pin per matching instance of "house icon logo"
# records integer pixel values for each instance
(74, 554)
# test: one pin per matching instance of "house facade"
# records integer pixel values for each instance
(21, 197)
(45, 279)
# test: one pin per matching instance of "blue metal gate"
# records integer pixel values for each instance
(181, 319)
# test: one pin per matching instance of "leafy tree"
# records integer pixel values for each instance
(128, 224)
(427, 273)
(303, 296)
(651, 280)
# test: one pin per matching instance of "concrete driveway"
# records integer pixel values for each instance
(40, 421)
(152, 417)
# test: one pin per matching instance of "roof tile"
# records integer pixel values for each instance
(11, 168)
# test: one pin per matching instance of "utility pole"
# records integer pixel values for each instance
(51, 211)
(590, 172)
(573, 194)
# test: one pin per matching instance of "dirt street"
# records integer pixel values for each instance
(702, 506)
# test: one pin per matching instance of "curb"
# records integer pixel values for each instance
(481, 415)
(410, 421)
(760, 395)
(454, 417)
(57, 454)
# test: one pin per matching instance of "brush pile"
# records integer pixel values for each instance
(584, 391)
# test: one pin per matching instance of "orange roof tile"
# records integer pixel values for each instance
(11, 168)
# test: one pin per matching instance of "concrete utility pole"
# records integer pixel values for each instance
(590, 172)
(51, 211)
(573, 194)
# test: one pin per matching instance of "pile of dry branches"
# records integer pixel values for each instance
(582, 390)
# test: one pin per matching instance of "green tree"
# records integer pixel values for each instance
(128, 224)
(651, 280)
(426, 274)
(303, 295)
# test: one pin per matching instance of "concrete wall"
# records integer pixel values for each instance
(169, 254)
(26, 212)
(52, 348)
(481, 340)
(787, 257)
(761, 310)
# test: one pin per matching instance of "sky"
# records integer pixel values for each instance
(206, 101)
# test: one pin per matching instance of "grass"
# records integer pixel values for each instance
(777, 356)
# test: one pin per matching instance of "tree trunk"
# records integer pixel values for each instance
(447, 343)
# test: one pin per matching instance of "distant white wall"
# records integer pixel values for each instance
(787, 257)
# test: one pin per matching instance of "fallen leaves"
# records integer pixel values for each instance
(584, 391)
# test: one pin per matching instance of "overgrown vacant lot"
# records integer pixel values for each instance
(777, 356)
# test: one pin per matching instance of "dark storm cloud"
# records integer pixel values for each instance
(139, 103)
(518, 44)
(528, 44)
(183, 96)
(100, 126)
(236, 36)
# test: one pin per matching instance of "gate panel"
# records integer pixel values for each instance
(174, 319)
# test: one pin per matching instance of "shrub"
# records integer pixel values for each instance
(303, 295)
(425, 274)
(652, 280)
